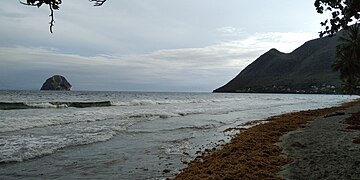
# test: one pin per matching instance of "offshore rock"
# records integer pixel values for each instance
(57, 83)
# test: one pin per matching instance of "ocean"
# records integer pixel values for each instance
(126, 135)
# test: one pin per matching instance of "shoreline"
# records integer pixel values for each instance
(325, 149)
(256, 153)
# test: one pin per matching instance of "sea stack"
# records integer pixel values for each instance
(57, 83)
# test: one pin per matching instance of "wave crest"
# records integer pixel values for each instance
(44, 105)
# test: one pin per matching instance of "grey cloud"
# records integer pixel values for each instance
(207, 67)
(142, 45)
(12, 15)
(151, 69)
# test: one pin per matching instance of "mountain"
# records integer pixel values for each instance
(56, 82)
(305, 70)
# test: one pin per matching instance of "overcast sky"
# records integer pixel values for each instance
(147, 45)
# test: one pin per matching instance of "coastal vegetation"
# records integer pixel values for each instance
(348, 59)
(343, 12)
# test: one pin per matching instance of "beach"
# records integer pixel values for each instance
(328, 148)
(148, 135)
(313, 144)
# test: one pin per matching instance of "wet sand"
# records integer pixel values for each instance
(266, 151)
(325, 149)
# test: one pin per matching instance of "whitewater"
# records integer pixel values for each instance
(126, 135)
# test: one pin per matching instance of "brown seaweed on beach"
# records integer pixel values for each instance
(354, 119)
(356, 140)
(253, 154)
(354, 122)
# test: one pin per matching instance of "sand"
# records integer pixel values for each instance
(262, 151)
(325, 149)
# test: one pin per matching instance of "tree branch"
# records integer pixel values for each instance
(52, 18)
(343, 13)
(98, 2)
(54, 5)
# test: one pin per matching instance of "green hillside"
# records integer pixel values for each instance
(305, 70)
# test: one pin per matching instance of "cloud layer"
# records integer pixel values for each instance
(187, 69)
(157, 45)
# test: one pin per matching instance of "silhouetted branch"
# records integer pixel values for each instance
(343, 13)
(98, 2)
(54, 5)
(52, 19)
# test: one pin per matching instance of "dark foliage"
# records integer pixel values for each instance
(343, 12)
(54, 5)
(348, 59)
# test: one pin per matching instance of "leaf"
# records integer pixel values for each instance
(317, 3)
(30, 1)
(357, 16)
(39, 4)
(54, 6)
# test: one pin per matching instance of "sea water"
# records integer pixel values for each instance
(126, 135)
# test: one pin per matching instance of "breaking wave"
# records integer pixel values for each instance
(18, 148)
(135, 102)
(44, 105)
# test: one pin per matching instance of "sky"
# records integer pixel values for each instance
(147, 45)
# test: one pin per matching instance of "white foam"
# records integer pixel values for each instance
(45, 119)
(45, 105)
(177, 146)
(75, 126)
(146, 102)
(18, 148)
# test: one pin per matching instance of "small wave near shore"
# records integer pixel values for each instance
(138, 125)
